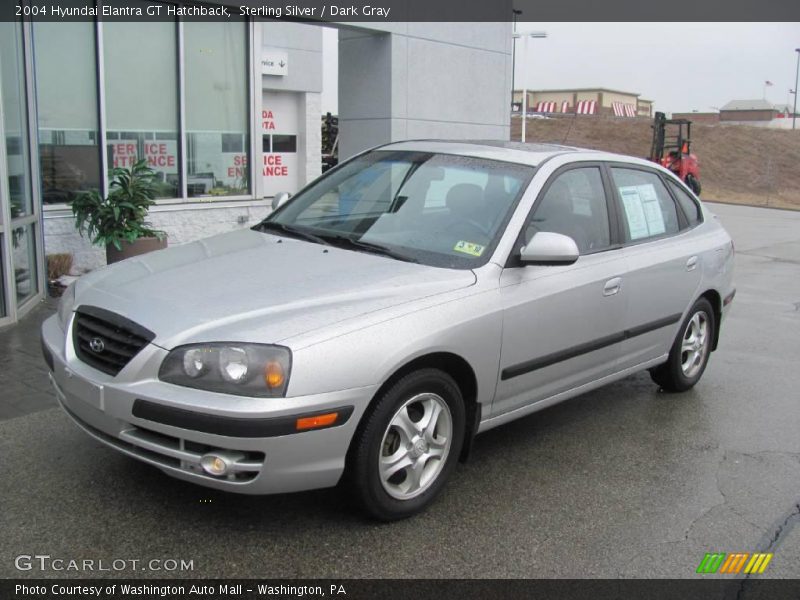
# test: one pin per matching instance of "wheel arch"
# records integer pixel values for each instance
(462, 373)
(716, 303)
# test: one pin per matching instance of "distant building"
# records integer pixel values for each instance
(710, 118)
(586, 101)
(748, 110)
(758, 113)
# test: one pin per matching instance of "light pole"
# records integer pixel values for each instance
(525, 36)
(796, 75)
(516, 13)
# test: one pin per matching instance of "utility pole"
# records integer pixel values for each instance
(516, 13)
(796, 75)
(525, 36)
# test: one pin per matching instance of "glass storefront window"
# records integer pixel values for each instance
(15, 122)
(141, 97)
(67, 105)
(217, 133)
(23, 257)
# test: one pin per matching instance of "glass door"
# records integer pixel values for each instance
(20, 230)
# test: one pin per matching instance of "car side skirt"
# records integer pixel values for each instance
(556, 357)
(492, 422)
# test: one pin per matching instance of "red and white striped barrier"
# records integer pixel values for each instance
(586, 107)
(565, 107)
(545, 107)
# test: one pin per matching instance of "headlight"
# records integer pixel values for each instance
(65, 305)
(230, 368)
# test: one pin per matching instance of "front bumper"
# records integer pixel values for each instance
(172, 427)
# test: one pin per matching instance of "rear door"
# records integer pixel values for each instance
(663, 257)
(562, 324)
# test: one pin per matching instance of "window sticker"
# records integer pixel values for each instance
(642, 210)
(469, 248)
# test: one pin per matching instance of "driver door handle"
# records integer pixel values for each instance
(612, 286)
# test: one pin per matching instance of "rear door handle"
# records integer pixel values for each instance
(691, 264)
(612, 286)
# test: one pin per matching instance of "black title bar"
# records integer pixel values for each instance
(700, 588)
(400, 11)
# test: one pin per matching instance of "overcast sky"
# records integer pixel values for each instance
(681, 66)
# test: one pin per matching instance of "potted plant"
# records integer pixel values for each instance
(118, 221)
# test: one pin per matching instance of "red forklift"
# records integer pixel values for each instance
(673, 151)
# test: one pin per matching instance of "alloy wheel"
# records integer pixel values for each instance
(695, 344)
(415, 446)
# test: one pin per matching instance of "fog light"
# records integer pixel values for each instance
(214, 464)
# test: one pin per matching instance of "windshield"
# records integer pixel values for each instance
(436, 209)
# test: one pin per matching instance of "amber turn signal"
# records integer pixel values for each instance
(317, 421)
(273, 374)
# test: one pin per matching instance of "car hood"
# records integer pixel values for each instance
(252, 286)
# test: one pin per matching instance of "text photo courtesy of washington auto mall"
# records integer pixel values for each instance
(394, 299)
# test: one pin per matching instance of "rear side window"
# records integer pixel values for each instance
(688, 205)
(648, 211)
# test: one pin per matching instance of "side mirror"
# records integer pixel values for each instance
(548, 248)
(280, 199)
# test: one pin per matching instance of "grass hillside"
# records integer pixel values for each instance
(738, 164)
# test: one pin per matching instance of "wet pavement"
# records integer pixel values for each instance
(623, 481)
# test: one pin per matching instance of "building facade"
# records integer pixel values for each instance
(587, 101)
(756, 113)
(748, 110)
(226, 112)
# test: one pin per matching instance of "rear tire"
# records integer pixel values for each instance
(407, 446)
(693, 183)
(689, 354)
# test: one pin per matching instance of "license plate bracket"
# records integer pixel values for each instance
(80, 388)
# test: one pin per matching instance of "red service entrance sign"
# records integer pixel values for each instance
(238, 167)
(160, 155)
(274, 167)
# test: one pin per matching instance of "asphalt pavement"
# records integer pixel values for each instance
(624, 481)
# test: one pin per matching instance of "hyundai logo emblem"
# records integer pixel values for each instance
(97, 345)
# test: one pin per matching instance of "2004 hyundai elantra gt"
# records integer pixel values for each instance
(416, 295)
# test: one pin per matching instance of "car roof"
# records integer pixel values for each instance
(518, 152)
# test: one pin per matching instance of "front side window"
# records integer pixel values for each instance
(648, 210)
(437, 209)
(574, 205)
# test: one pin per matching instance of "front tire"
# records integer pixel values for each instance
(689, 354)
(408, 445)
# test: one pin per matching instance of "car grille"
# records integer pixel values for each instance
(105, 340)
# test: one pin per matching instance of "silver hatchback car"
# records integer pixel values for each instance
(413, 297)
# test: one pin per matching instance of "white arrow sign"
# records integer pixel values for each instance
(275, 62)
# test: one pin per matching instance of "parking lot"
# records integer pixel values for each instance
(624, 481)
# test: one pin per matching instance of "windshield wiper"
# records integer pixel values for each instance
(348, 242)
(291, 231)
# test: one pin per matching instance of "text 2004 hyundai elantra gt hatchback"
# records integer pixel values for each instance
(414, 296)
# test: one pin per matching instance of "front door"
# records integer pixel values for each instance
(562, 324)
